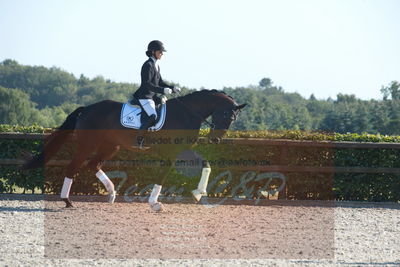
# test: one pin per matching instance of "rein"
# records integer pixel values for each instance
(212, 125)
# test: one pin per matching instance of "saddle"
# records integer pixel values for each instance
(133, 115)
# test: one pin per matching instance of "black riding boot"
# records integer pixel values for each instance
(143, 129)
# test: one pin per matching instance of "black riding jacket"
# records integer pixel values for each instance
(152, 82)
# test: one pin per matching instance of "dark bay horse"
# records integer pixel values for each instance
(97, 129)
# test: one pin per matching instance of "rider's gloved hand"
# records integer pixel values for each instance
(167, 91)
(163, 99)
(176, 89)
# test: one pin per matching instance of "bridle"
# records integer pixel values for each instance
(226, 114)
(211, 124)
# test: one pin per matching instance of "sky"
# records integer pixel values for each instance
(320, 47)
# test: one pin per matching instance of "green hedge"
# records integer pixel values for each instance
(223, 180)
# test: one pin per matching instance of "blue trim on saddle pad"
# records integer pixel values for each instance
(130, 116)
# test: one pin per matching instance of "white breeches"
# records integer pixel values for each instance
(149, 106)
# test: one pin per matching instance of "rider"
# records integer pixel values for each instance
(151, 84)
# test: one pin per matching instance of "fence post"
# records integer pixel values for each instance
(283, 160)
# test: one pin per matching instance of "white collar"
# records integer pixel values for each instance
(154, 59)
(155, 63)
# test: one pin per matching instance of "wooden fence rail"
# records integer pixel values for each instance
(268, 168)
(253, 142)
(250, 141)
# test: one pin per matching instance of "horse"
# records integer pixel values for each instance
(96, 128)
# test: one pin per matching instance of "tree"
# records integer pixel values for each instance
(343, 98)
(379, 116)
(392, 90)
(265, 82)
(36, 94)
(361, 119)
(339, 119)
(16, 107)
(45, 86)
(393, 126)
(318, 110)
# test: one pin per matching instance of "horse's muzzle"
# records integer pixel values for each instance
(215, 136)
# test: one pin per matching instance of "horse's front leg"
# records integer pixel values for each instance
(202, 186)
(155, 205)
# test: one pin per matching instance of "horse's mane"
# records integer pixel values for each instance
(203, 92)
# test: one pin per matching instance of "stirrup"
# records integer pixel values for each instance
(140, 145)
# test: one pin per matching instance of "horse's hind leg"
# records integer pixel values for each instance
(79, 158)
(105, 152)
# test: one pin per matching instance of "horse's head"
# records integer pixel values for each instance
(222, 118)
(217, 104)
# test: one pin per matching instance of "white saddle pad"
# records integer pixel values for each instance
(130, 117)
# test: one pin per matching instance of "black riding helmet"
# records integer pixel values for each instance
(155, 46)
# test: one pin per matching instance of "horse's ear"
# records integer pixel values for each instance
(240, 106)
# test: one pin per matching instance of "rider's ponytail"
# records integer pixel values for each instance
(149, 53)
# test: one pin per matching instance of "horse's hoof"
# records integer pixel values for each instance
(111, 197)
(68, 203)
(158, 207)
(197, 194)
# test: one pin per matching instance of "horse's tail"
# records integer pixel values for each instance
(54, 141)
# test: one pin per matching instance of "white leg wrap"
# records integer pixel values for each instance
(154, 194)
(202, 186)
(66, 187)
(106, 181)
(205, 174)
